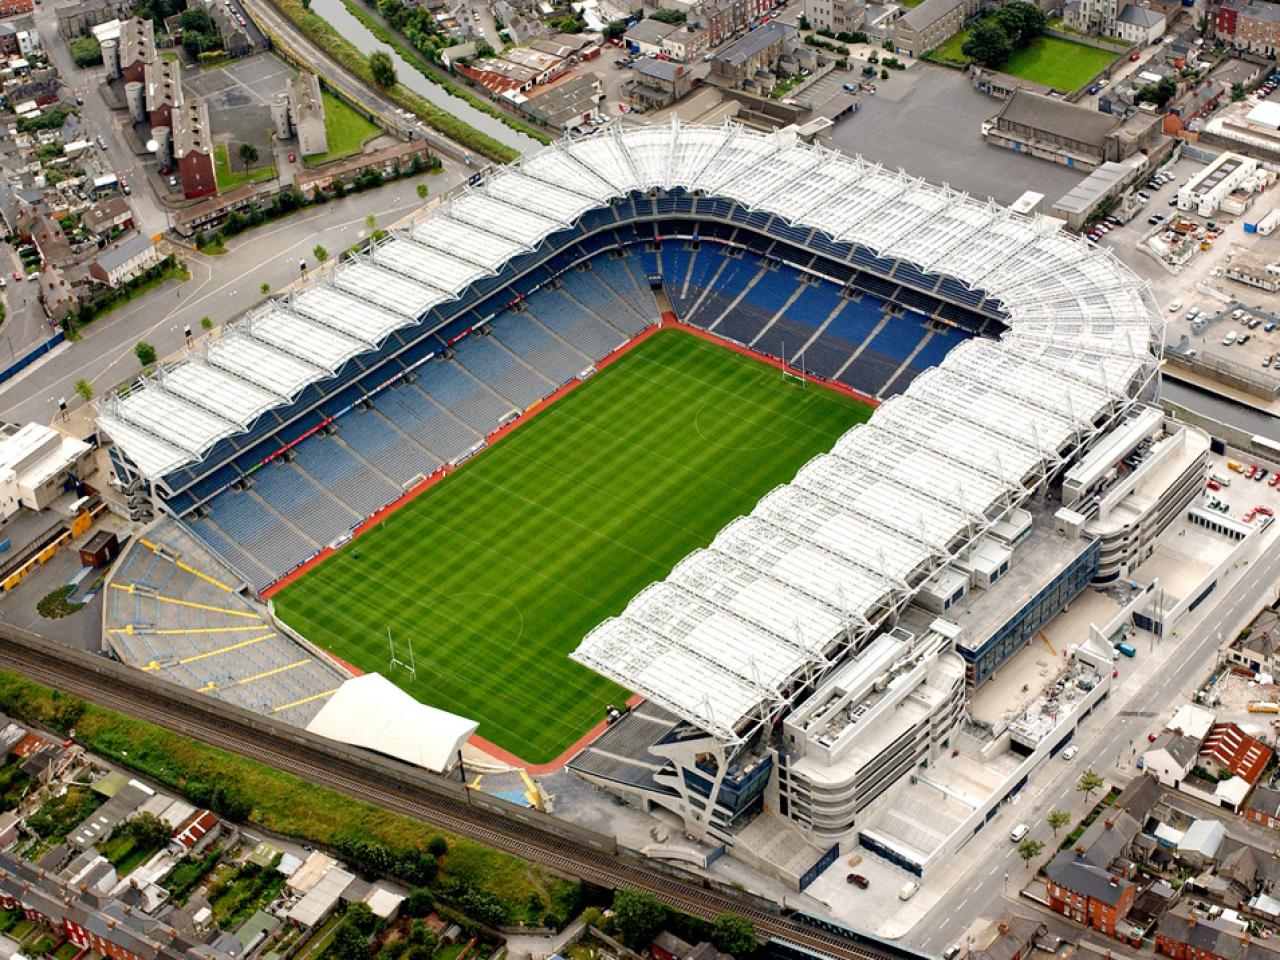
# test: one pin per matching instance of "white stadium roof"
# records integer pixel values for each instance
(372, 712)
(723, 640)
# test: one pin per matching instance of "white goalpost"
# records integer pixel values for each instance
(409, 667)
(787, 372)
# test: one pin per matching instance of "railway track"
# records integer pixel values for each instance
(118, 688)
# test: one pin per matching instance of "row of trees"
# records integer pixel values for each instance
(993, 41)
(1088, 784)
(638, 917)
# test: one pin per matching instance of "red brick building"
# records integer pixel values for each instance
(1088, 894)
(11, 8)
(137, 49)
(193, 150)
(1185, 935)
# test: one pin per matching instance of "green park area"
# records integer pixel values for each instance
(346, 129)
(230, 172)
(1052, 61)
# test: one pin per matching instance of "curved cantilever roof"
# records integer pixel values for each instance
(859, 528)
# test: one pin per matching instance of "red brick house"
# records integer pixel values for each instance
(1185, 935)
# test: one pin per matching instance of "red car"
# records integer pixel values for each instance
(17, 275)
(1214, 485)
(858, 880)
(1248, 474)
(1275, 480)
(1134, 56)
(1265, 511)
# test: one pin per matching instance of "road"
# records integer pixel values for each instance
(220, 287)
(1106, 739)
(149, 213)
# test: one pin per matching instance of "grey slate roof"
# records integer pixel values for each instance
(1139, 16)
(125, 250)
(1055, 116)
(1069, 871)
(755, 41)
(649, 31)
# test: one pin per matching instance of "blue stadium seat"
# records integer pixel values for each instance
(340, 472)
(377, 441)
(296, 497)
(414, 412)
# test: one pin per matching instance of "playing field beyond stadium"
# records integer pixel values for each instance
(498, 571)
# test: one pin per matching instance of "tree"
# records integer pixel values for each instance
(149, 831)
(734, 934)
(639, 917)
(361, 916)
(248, 155)
(614, 29)
(370, 222)
(988, 44)
(884, 74)
(804, 22)
(673, 17)
(85, 389)
(423, 190)
(350, 943)
(1022, 22)
(1159, 93)
(145, 353)
(1057, 819)
(1237, 92)
(382, 69)
(320, 253)
(206, 323)
(420, 935)
(1029, 849)
(438, 847)
(265, 288)
(419, 902)
(85, 51)
(1089, 782)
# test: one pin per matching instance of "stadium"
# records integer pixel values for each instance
(667, 519)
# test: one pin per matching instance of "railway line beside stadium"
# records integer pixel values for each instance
(403, 791)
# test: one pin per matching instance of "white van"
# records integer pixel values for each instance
(1221, 479)
(908, 890)
(1018, 832)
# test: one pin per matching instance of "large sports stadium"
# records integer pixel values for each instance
(523, 457)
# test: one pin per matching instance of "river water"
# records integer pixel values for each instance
(352, 29)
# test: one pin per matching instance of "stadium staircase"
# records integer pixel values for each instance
(621, 754)
(171, 609)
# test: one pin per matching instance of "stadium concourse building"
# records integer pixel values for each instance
(821, 649)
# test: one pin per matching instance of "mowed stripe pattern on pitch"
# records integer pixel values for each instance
(497, 572)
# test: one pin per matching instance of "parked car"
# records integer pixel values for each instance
(1134, 57)
(858, 880)
(1175, 306)
(1229, 339)
(1069, 754)
(1094, 89)
(908, 890)
(1019, 832)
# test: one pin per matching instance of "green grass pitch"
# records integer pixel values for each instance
(498, 571)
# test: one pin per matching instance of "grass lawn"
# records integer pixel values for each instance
(346, 130)
(125, 853)
(67, 951)
(229, 178)
(1051, 61)
(498, 572)
(236, 893)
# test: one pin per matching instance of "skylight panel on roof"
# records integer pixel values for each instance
(424, 263)
(385, 288)
(235, 397)
(464, 240)
(264, 366)
(296, 335)
(347, 313)
(543, 198)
